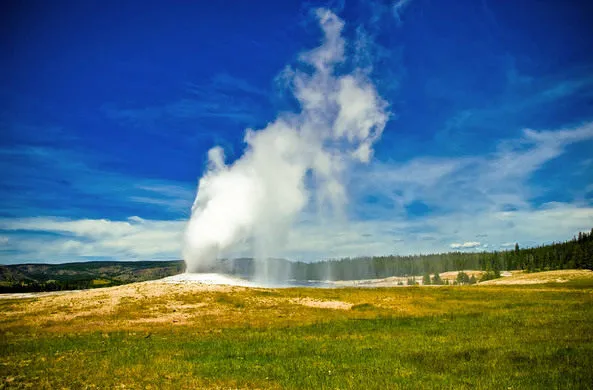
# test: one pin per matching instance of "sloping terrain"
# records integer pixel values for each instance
(560, 276)
(70, 276)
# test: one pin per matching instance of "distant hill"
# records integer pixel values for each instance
(75, 276)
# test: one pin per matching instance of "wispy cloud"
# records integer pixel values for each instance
(183, 110)
(473, 183)
(224, 82)
(224, 97)
(398, 8)
(522, 102)
(40, 181)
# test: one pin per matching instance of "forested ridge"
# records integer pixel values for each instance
(77, 276)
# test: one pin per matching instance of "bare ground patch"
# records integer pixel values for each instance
(336, 305)
(145, 302)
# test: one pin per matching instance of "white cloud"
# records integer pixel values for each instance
(311, 239)
(465, 245)
(494, 182)
(135, 239)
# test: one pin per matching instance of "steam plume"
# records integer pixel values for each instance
(298, 158)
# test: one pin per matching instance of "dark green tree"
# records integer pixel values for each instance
(426, 279)
(462, 278)
(436, 279)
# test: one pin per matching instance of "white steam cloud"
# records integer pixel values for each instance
(298, 158)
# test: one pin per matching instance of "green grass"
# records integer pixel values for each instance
(450, 337)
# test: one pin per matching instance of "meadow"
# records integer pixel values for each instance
(157, 335)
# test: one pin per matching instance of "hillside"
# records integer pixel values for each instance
(74, 276)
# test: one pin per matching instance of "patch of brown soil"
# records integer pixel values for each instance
(336, 305)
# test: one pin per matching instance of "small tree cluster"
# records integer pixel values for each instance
(426, 279)
(489, 275)
(436, 279)
(462, 278)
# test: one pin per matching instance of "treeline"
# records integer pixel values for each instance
(55, 285)
(576, 253)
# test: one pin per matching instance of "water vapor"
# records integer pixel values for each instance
(300, 157)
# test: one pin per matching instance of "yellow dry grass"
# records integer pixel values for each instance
(142, 306)
(193, 335)
(560, 276)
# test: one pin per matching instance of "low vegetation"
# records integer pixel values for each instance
(158, 335)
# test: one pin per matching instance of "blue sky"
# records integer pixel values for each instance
(108, 110)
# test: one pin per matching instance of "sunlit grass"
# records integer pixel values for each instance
(453, 337)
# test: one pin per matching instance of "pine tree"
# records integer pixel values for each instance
(426, 279)
(462, 278)
(436, 279)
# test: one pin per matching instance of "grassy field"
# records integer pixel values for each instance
(156, 335)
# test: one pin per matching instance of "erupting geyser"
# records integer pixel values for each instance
(297, 158)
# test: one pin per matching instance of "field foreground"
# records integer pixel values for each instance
(162, 335)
